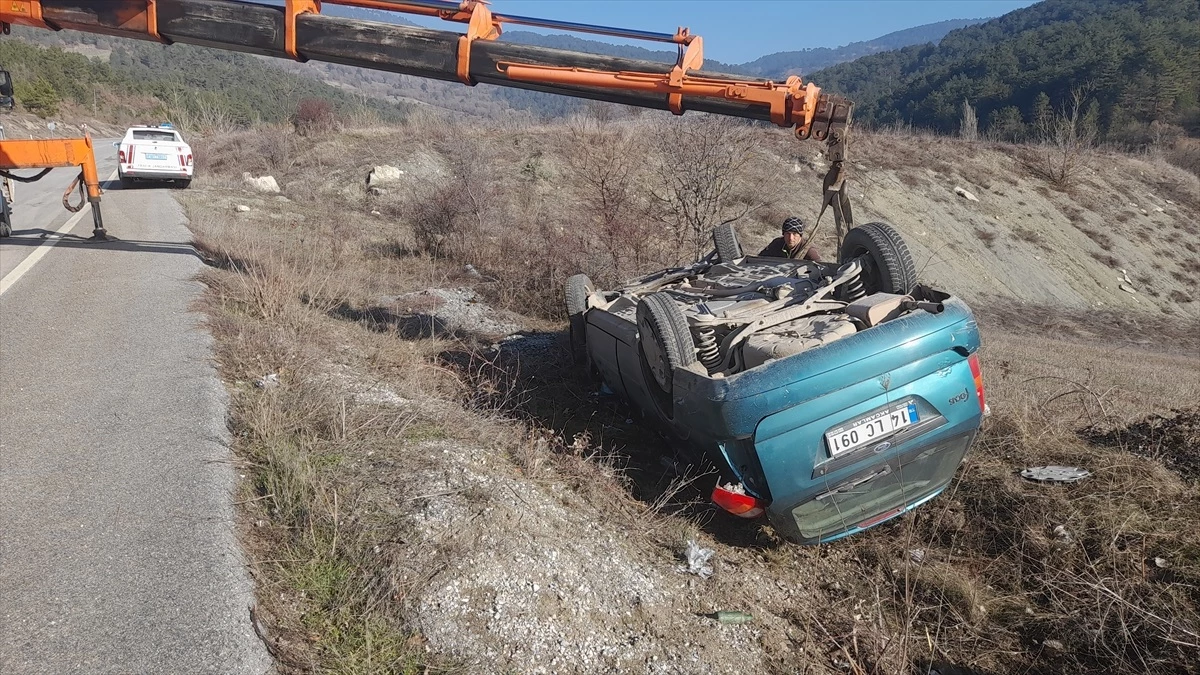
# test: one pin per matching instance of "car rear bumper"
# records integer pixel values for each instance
(157, 174)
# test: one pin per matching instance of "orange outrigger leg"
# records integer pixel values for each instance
(47, 154)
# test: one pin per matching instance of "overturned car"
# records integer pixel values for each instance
(831, 396)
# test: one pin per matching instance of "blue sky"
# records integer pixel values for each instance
(736, 32)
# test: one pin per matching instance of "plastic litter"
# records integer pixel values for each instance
(734, 617)
(268, 381)
(1055, 474)
(698, 559)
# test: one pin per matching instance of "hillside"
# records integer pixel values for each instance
(1134, 63)
(805, 62)
(134, 79)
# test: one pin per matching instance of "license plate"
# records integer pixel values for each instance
(157, 156)
(870, 429)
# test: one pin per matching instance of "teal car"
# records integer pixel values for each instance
(831, 396)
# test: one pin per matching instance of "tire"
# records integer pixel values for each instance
(5, 217)
(183, 184)
(579, 287)
(664, 344)
(888, 265)
(728, 246)
(126, 183)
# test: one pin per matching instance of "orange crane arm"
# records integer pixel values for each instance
(803, 107)
(58, 152)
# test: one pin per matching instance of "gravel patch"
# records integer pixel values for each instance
(460, 309)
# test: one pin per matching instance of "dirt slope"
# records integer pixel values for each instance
(457, 505)
(1024, 240)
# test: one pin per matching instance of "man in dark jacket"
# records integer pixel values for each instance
(791, 243)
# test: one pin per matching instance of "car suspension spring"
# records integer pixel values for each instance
(855, 288)
(707, 349)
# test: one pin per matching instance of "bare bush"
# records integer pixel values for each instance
(605, 165)
(199, 113)
(701, 159)
(1185, 154)
(1065, 143)
(452, 213)
(437, 217)
(265, 150)
(314, 116)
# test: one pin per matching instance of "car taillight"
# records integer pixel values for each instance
(977, 374)
(734, 499)
(121, 156)
(189, 160)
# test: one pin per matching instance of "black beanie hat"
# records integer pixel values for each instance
(793, 224)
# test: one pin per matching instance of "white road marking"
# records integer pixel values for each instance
(40, 252)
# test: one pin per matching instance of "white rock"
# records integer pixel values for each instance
(376, 213)
(1127, 288)
(262, 183)
(242, 208)
(382, 175)
(965, 194)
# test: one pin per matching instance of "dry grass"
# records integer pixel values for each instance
(389, 461)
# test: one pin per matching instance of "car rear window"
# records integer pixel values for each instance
(151, 135)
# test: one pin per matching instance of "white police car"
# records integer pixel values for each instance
(154, 152)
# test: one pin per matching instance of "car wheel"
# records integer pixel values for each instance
(664, 344)
(126, 183)
(579, 287)
(183, 184)
(888, 265)
(728, 246)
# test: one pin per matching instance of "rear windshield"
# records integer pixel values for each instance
(151, 135)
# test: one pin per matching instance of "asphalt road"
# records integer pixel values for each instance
(118, 552)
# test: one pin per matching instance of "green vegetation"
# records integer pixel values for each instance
(180, 81)
(39, 96)
(1134, 63)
